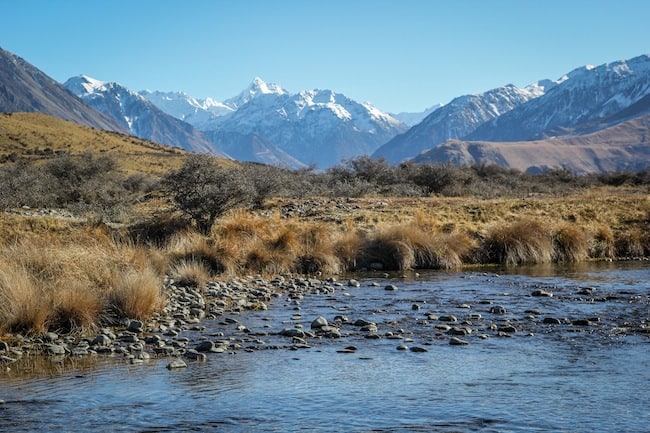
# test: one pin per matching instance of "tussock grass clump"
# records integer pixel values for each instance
(603, 244)
(22, 304)
(137, 294)
(634, 242)
(409, 246)
(570, 244)
(317, 253)
(527, 241)
(190, 246)
(74, 283)
(190, 273)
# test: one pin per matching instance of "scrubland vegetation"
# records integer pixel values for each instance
(84, 242)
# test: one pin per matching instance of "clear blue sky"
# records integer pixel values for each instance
(400, 55)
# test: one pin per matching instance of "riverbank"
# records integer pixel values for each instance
(70, 286)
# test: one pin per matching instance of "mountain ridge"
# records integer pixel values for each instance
(25, 88)
(139, 116)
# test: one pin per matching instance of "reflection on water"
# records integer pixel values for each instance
(542, 378)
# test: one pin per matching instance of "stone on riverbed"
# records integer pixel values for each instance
(391, 288)
(498, 309)
(50, 337)
(455, 341)
(418, 349)
(319, 322)
(136, 326)
(293, 332)
(204, 346)
(54, 349)
(542, 293)
(176, 363)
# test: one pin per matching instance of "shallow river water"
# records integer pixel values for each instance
(543, 377)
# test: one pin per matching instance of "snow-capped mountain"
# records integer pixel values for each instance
(139, 116)
(200, 113)
(256, 88)
(586, 95)
(457, 119)
(318, 127)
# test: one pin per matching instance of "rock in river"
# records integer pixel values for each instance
(176, 363)
(319, 322)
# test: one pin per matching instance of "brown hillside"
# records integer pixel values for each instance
(32, 136)
(621, 147)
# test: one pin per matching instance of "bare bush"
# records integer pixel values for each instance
(205, 190)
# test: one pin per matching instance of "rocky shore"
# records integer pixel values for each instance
(179, 334)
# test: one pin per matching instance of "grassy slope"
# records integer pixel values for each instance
(34, 136)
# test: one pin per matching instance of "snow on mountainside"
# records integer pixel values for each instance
(138, 115)
(318, 127)
(199, 113)
(457, 119)
(586, 95)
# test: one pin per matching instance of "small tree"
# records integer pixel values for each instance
(205, 190)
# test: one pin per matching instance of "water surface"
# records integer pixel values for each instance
(559, 378)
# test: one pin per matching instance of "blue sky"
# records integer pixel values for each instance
(400, 55)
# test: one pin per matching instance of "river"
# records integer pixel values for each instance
(588, 373)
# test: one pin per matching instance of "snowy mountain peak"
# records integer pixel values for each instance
(256, 88)
(83, 84)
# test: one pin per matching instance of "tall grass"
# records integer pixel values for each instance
(409, 246)
(570, 244)
(527, 241)
(74, 283)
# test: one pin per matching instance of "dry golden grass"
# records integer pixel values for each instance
(65, 274)
(570, 244)
(73, 282)
(527, 241)
(412, 246)
(34, 137)
(137, 293)
(192, 273)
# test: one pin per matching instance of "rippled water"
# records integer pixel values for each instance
(542, 378)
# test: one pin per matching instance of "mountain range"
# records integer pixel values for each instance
(312, 127)
(591, 119)
(539, 127)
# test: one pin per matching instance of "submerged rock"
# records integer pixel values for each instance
(455, 341)
(176, 363)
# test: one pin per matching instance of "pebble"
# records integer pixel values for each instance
(418, 349)
(498, 309)
(391, 288)
(542, 293)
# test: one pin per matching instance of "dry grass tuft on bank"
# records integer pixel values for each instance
(74, 284)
